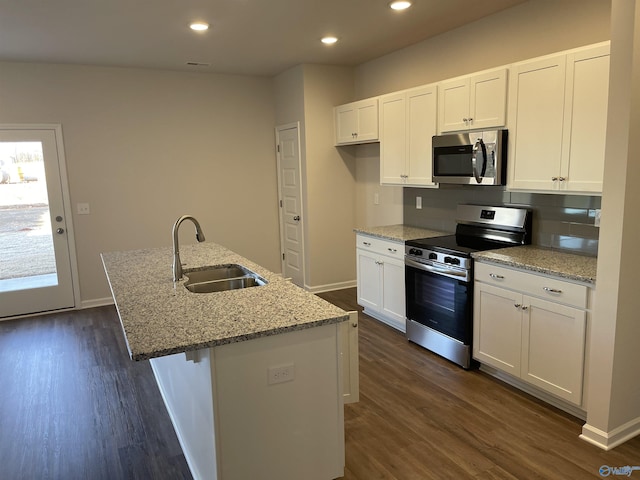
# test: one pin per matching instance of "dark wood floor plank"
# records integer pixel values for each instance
(74, 406)
(452, 423)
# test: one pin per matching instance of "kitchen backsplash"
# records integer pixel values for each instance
(564, 222)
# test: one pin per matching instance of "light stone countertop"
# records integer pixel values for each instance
(160, 317)
(399, 233)
(543, 260)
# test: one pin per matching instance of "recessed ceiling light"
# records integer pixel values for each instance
(199, 26)
(329, 40)
(400, 4)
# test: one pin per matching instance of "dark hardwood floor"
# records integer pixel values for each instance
(74, 406)
(422, 417)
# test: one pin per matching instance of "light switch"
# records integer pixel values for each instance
(419, 203)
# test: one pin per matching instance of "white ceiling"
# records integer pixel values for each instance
(258, 37)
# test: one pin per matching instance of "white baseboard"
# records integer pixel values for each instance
(330, 287)
(96, 302)
(609, 440)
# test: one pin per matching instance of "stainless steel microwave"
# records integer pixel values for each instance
(470, 158)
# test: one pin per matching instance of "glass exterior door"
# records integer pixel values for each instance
(35, 268)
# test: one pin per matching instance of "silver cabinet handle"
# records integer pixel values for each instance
(551, 290)
(378, 262)
(562, 179)
(554, 179)
(497, 277)
(392, 250)
(60, 231)
(354, 325)
(368, 244)
(524, 307)
(517, 305)
(296, 218)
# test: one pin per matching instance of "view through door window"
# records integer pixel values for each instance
(27, 258)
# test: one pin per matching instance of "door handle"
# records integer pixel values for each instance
(296, 218)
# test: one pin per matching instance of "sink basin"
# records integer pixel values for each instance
(222, 278)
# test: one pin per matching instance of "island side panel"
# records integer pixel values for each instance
(288, 430)
(186, 390)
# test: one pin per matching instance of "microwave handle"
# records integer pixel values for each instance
(479, 147)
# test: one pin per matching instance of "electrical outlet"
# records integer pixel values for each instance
(283, 373)
(83, 209)
(419, 203)
(596, 221)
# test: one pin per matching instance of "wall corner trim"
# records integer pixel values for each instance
(610, 440)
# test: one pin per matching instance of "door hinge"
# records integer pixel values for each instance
(283, 256)
(280, 203)
(278, 147)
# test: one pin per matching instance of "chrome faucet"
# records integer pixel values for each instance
(177, 265)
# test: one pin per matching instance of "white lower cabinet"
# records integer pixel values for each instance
(532, 327)
(380, 270)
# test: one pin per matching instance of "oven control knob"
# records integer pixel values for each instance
(433, 256)
(415, 251)
(452, 260)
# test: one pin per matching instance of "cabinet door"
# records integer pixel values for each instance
(497, 328)
(536, 106)
(453, 105)
(488, 99)
(586, 107)
(553, 343)
(367, 117)
(421, 127)
(393, 300)
(369, 280)
(346, 124)
(392, 139)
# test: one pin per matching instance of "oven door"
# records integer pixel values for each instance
(439, 302)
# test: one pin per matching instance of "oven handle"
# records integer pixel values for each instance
(462, 274)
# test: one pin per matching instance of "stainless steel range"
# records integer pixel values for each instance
(439, 277)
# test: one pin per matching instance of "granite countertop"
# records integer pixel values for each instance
(160, 317)
(544, 260)
(399, 233)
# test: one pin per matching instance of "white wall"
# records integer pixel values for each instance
(614, 390)
(330, 181)
(145, 146)
(307, 94)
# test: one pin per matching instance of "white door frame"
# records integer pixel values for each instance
(66, 201)
(278, 129)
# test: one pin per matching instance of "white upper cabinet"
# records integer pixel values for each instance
(357, 122)
(585, 130)
(407, 125)
(473, 102)
(557, 122)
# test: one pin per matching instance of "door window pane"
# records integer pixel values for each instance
(27, 258)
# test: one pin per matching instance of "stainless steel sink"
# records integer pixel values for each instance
(221, 278)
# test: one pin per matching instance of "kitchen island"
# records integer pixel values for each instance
(251, 377)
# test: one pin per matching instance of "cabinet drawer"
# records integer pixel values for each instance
(532, 284)
(380, 246)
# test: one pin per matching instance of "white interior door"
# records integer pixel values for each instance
(290, 193)
(35, 260)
